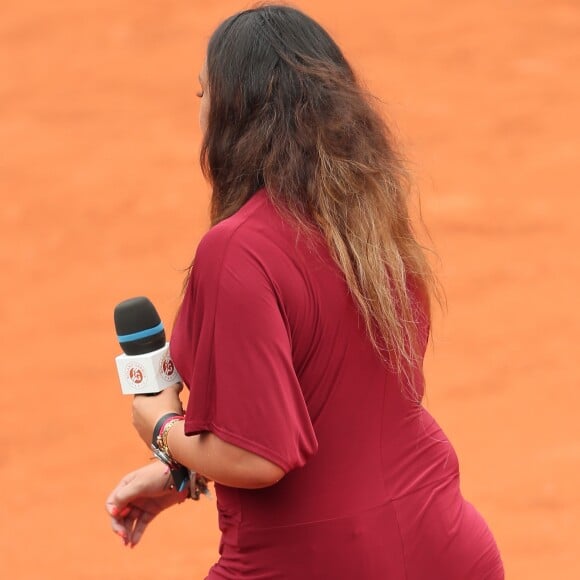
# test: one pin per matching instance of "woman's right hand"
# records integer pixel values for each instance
(138, 498)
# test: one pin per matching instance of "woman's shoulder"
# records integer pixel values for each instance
(247, 229)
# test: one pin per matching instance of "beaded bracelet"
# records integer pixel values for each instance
(180, 474)
(161, 441)
(161, 424)
(159, 446)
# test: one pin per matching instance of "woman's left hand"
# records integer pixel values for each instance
(148, 409)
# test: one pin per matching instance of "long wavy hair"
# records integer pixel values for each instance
(287, 113)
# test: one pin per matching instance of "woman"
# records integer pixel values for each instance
(302, 333)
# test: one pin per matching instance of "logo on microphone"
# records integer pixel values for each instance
(136, 375)
(167, 368)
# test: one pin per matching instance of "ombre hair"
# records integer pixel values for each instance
(287, 113)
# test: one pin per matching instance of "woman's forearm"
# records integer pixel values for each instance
(220, 461)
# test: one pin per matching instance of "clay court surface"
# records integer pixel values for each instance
(102, 199)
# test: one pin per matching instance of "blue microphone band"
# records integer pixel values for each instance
(141, 334)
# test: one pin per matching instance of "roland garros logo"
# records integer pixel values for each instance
(167, 368)
(136, 375)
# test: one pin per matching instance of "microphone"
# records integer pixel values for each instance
(145, 367)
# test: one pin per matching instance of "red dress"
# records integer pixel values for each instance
(277, 361)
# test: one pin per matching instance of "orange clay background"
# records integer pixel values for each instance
(102, 199)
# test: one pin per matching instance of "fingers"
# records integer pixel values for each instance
(116, 503)
(132, 526)
(120, 528)
(119, 523)
(123, 523)
(116, 511)
(118, 508)
(128, 489)
(146, 411)
(140, 523)
(137, 499)
(176, 388)
(171, 399)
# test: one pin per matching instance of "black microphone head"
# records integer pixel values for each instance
(139, 328)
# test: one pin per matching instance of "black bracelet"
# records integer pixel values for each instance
(159, 424)
(179, 473)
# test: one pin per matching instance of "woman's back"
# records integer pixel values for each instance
(372, 489)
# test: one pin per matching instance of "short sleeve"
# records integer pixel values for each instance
(235, 348)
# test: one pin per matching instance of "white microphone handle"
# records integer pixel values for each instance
(147, 373)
